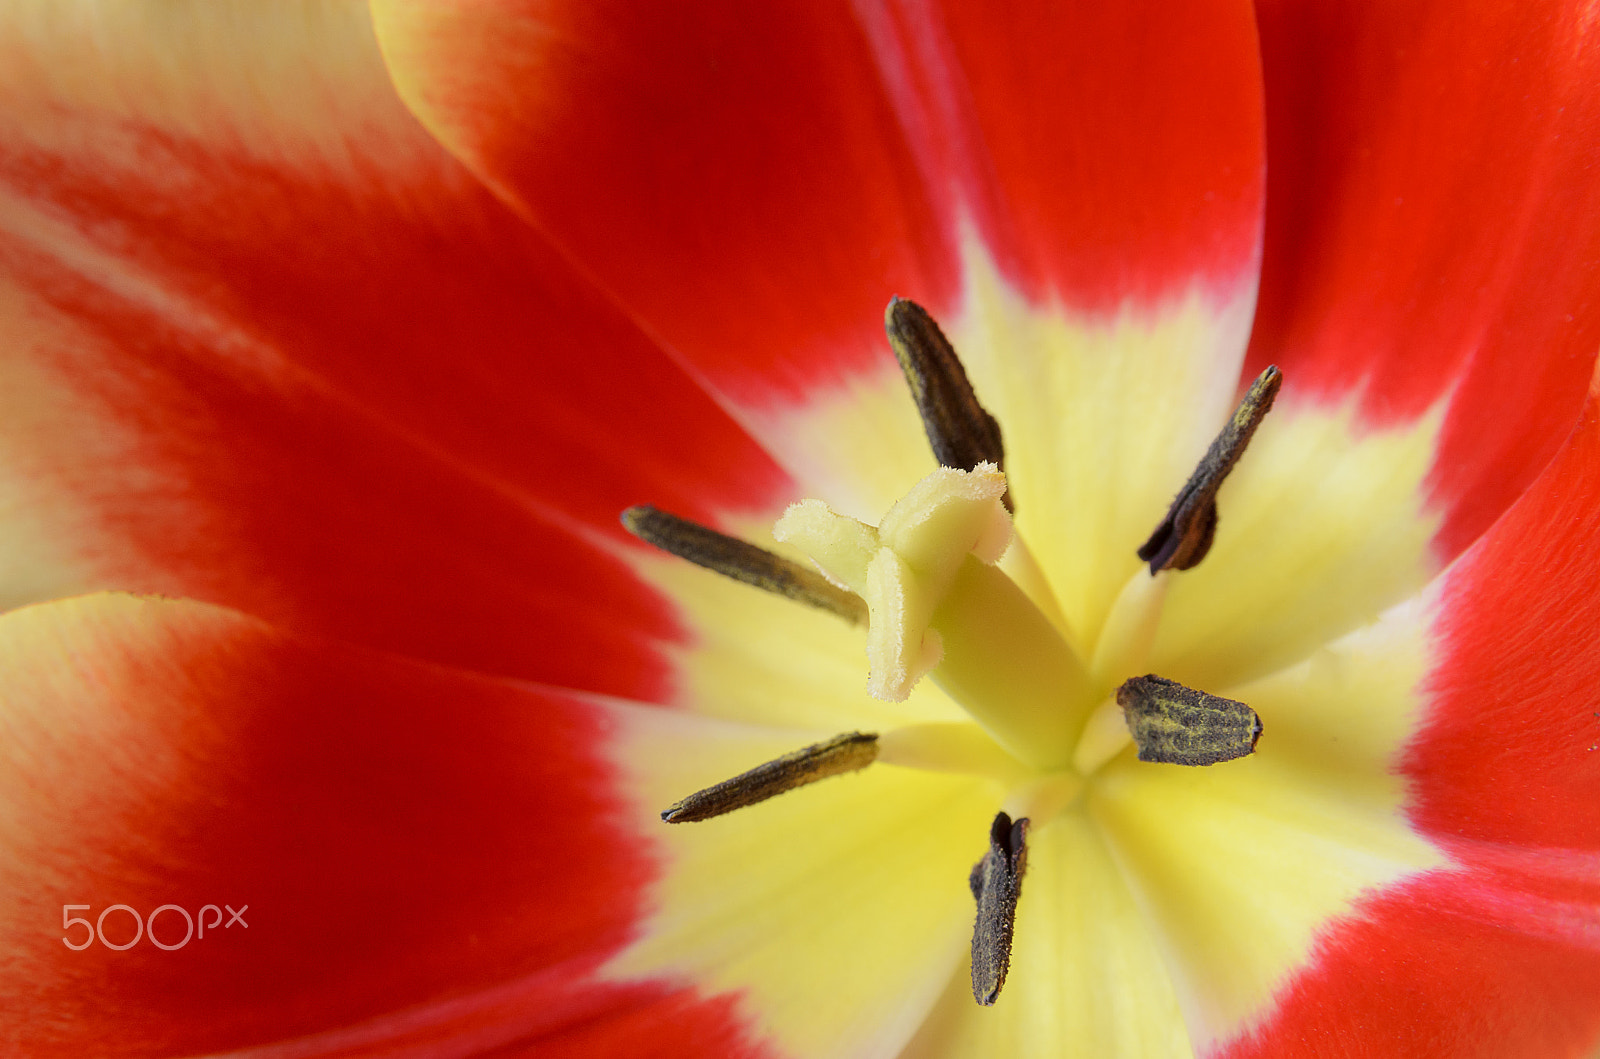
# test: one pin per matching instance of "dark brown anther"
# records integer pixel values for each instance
(741, 561)
(961, 431)
(996, 883)
(833, 757)
(1185, 535)
(1176, 725)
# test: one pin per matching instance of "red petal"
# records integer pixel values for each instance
(402, 835)
(755, 180)
(1433, 225)
(731, 170)
(1426, 972)
(350, 392)
(1125, 142)
(1510, 748)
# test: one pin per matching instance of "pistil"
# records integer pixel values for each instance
(939, 606)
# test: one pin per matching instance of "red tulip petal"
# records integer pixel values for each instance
(1510, 751)
(755, 181)
(438, 852)
(1125, 142)
(1433, 226)
(298, 362)
(1429, 971)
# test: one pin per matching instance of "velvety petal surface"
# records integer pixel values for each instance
(1433, 226)
(754, 182)
(1508, 752)
(430, 859)
(268, 345)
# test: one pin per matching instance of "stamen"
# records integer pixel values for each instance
(961, 431)
(1105, 735)
(1042, 798)
(741, 561)
(1180, 726)
(1184, 537)
(996, 883)
(1130, 627)
(959, 747)
(833, 757)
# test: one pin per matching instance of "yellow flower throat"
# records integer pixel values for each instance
(937, 605)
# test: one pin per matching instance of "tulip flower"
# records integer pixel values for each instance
(340, 711)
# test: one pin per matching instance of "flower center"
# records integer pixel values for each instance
(937, 605)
